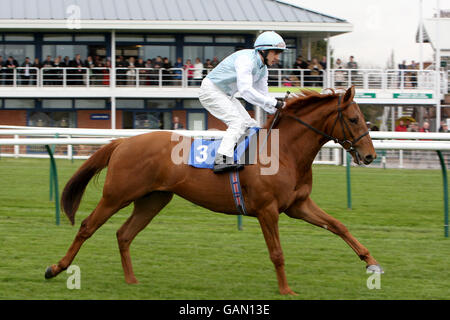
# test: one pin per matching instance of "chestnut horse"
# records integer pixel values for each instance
(140, 170)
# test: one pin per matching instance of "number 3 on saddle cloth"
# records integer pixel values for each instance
(203, 151)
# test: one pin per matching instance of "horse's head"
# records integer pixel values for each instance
(337, 117)
(350, 130)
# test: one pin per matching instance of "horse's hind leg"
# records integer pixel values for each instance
(145, 209)
(310, 212)
(104, 210)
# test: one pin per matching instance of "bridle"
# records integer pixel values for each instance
(346, 143)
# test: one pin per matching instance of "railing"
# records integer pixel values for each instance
(296, 78)
(385, 79)
(181, 77)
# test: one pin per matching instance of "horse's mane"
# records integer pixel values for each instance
(306, 96)
(301, 100)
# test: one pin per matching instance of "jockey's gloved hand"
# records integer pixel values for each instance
(280, 104)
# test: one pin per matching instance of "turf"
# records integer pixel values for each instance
(188, 252)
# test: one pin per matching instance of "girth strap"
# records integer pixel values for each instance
(237, 192)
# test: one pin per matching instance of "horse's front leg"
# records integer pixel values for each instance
(310, 212)
(268, 221)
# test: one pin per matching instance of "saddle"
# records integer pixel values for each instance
(203, 151)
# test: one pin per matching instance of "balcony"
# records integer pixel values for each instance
(180, 83)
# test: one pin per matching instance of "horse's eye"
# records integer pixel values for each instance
(353, 120)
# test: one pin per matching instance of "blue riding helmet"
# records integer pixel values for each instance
(269, 40)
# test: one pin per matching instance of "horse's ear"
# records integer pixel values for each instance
(349, 94)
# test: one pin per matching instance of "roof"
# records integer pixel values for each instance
(158, 10)
(429, 33)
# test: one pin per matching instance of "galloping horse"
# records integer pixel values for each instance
(140, 170)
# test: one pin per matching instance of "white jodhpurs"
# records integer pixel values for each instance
(230, 111)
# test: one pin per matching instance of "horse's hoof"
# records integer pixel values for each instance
(374, 268)
(48, 273)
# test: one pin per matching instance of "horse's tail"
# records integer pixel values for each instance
(74, 189)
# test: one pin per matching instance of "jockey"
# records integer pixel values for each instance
(244, 71)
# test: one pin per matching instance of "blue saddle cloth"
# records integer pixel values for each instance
(203, 151)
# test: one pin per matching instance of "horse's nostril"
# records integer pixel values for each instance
(369, 158)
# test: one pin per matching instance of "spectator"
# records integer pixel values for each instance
(66, 61)
(300, 63)
(208, 67)
(339, 76)
(215, 61)
(121, 71)
(47, 74)
(57, 74)
(414, 127)
(323, 62)
(198, 72)
(413, 74)
(444, 128)
(131, 72)
(11, 64)
(2, 64)
(106, 72)
(157, 66)
(36, 64)
(188, 67)
(26, 71)
(401, 127)
(148, 65)
(425, 127)
(352, 64)
(294, 81)
(178, 73)
(441, 128)
(401, 74)
(167, 72)
(78, 71)
(316, 74)
(176, 124)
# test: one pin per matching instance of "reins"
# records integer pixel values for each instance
(347, 144)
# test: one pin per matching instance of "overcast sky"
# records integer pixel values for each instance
(379, 26)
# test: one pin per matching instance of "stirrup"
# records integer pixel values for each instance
(224, 167)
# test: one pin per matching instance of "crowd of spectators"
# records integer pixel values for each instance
(405, 125)
(310, 71)
(129, 70)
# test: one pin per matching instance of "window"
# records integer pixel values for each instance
(57, 37)
(17, 51)
(90, 103)
(65, 119)
(230, 39)
(198, 39)
(90, 37)
(207, 52)
(19, 104)
(160, 38)
(161, 104)
(64, 50)
(129, 104)
(129, 38)
(151, 52)
(56, 104)
(192, 104)
(152, 120)
(19, 37)
(197, 121)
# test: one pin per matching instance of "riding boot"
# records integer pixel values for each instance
(223, 163)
